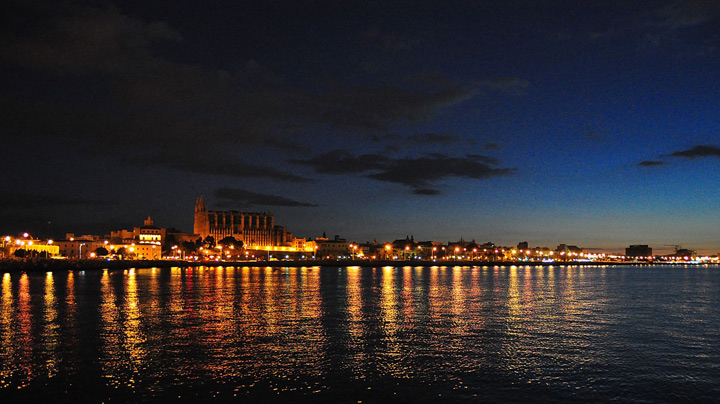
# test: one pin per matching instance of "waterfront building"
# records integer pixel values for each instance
(255, 230)
(304, 245)
(147, 234)
(75, 248)
(336, 248)
(683, 254)
(35, 248)
(566, 251)
(638, 250)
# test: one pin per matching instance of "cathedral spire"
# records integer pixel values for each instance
(199, 204)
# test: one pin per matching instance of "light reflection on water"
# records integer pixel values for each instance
(514, 333)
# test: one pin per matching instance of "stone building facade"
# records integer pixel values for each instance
(252, 228)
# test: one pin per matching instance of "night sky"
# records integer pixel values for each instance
(595, 123)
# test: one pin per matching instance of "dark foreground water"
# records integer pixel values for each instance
(420, 334)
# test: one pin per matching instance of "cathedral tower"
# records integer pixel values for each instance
(201, 225)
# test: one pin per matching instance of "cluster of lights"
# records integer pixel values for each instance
(388, 252)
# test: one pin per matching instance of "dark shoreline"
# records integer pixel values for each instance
(37, 265)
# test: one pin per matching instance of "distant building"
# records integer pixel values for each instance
(684, 253)
(77, 248)
(36, 248)
(332, 249)
(255, 230)
(638, 250)
(147, 234)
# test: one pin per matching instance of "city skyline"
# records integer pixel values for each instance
(595, 124)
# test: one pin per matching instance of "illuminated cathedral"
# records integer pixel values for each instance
(255, 230)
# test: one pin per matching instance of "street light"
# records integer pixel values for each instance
(5, 240)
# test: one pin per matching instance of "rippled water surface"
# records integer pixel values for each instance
(410, 334)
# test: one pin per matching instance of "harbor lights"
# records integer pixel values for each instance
(5, 241)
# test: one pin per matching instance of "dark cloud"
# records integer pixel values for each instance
(429, 138)
(651, 163)
(377, 108)
(480, 158)
(420, 172)
(344, 162)
(698, 151)
(426, 191)
(235, 196)
(166, 142)
(433, 138)
(176, 110)
(417, 173)
(216, 166)
(90, 40)
(12, 201)
(492, 145)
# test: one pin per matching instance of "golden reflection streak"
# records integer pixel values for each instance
(388, 304)
(459, 301)
(354, 308)
(152, 305)
(546, 298)
(270, 303)
(389, 309)
(243, 299)
(50, 336)
(513, 303)
(407, 297)
(434, 294)
(474, 301)
(70, 302)
(394, 355)
(313, 350)
(515, 343)
(355, 322)
(134, 339)
(110, 334)
(7, 344)
(222, 333)
(570, 308)
(25, 338)
(69, 324)
(175, 305)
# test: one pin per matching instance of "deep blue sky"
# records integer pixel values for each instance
(594, 124)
